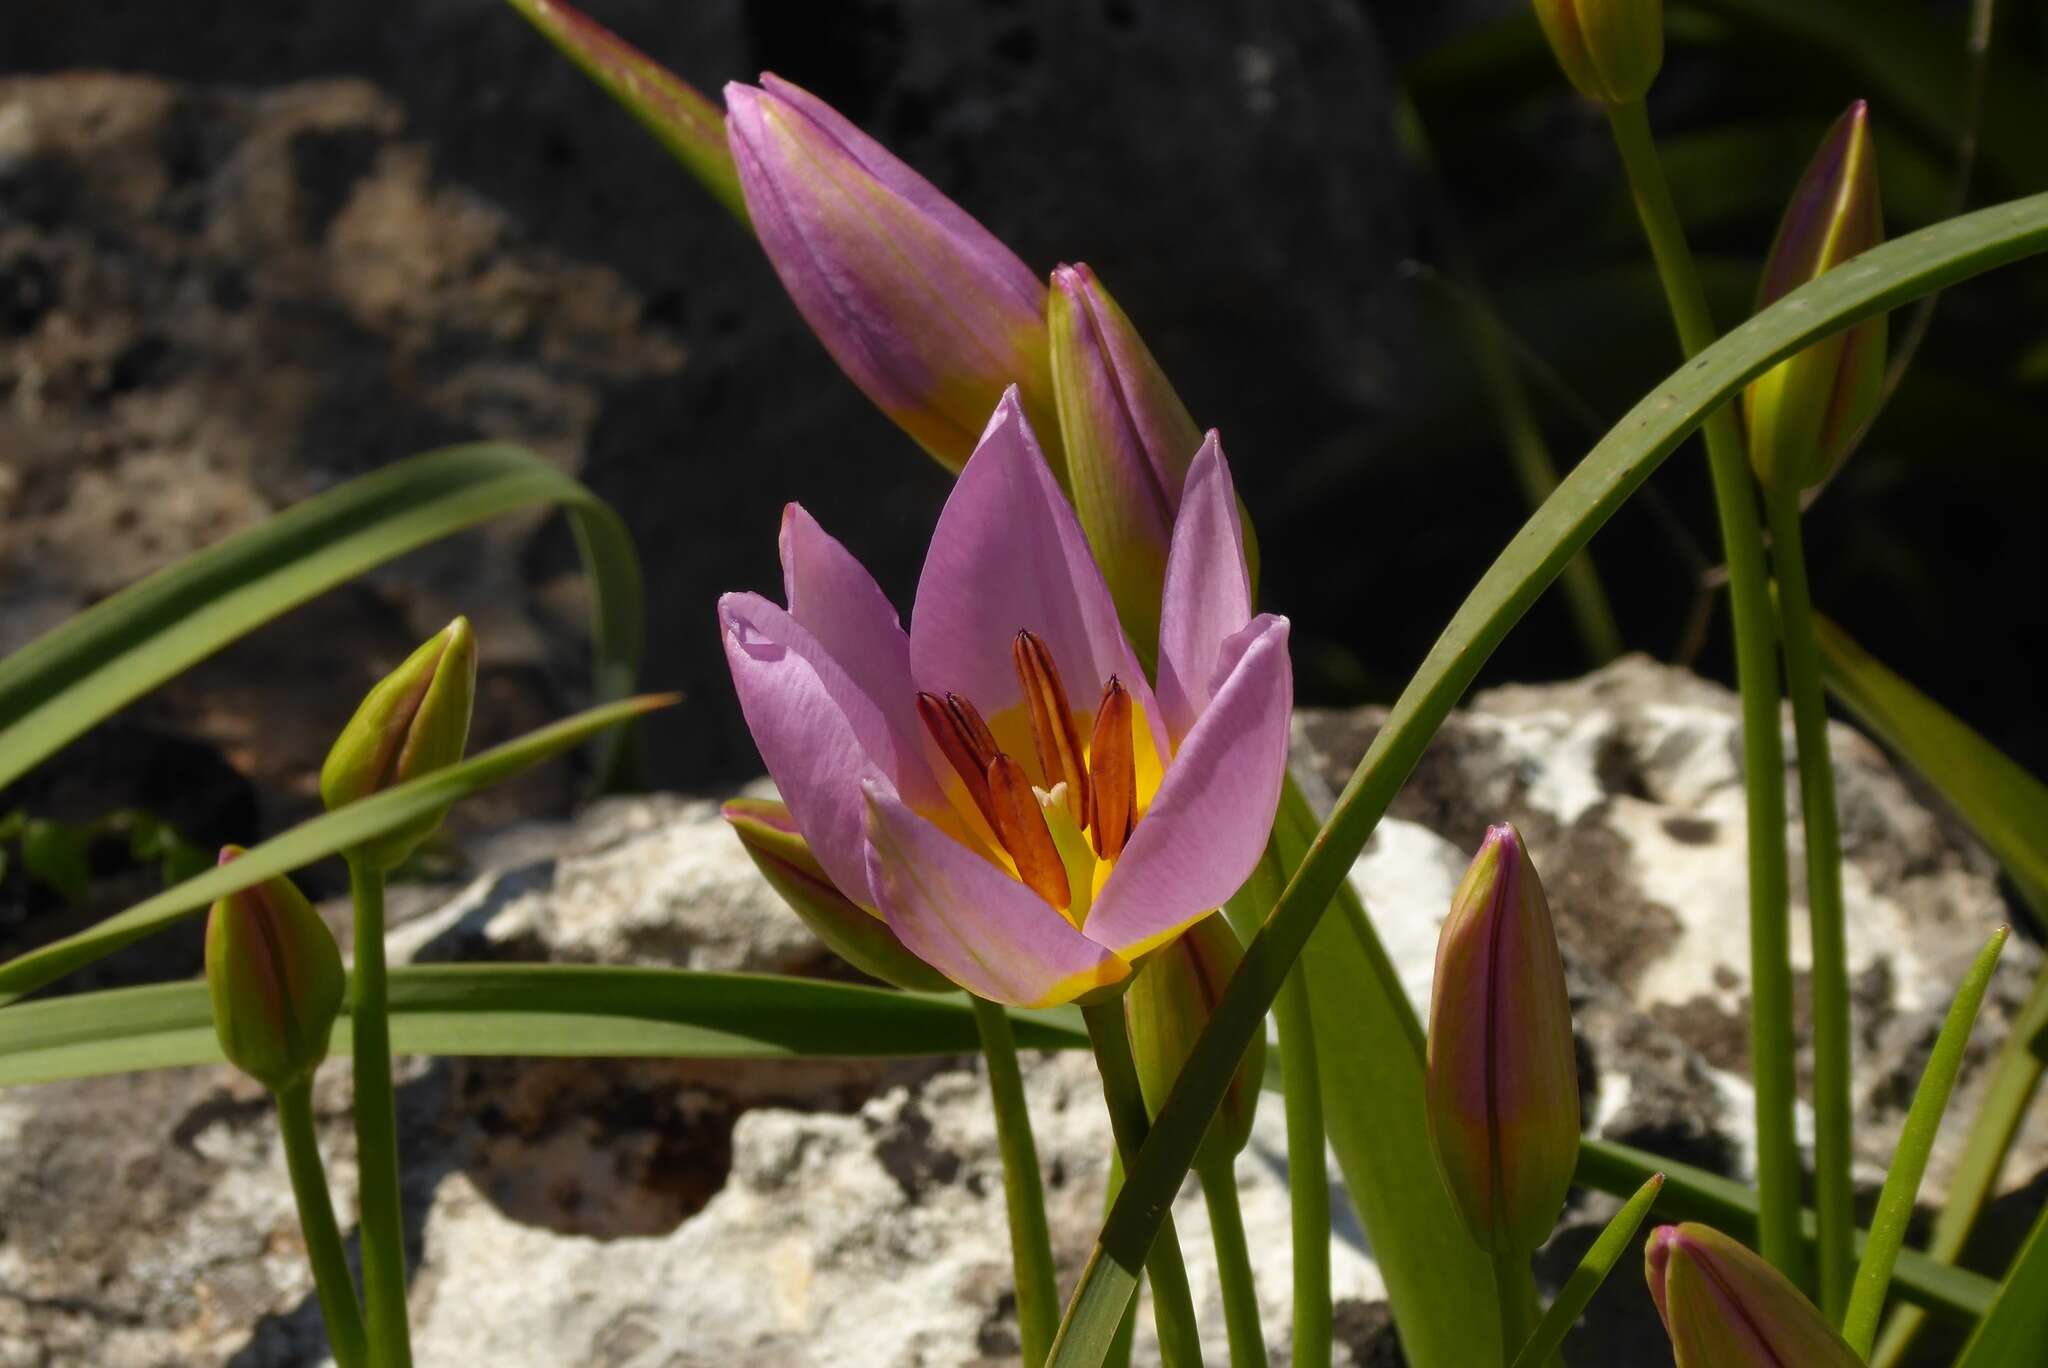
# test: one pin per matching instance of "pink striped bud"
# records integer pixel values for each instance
(1168, 1003)
(276, 980)
(1724, 1307)
(1609, 49)
(1503, 1086)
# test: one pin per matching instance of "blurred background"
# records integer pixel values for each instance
(249, 251)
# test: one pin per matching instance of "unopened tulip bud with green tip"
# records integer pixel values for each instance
(275, 976)
(850, 931)
(1724, 1307)
(1503, 1079)
(1610, 50)
(413, 722)
(1805, 412)
(1169, 1002)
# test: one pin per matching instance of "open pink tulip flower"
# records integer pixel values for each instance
(1028, 842)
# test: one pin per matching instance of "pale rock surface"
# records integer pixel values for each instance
(657, 1213)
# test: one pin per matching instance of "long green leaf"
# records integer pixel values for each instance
(325, 835)
(1693, 1194)
(78, 673)
(680, 118)
(1882, 279)
(1909, 1155)
(2016, 1326)
(1592, 1271)
(2004, 805)
(532, 1009)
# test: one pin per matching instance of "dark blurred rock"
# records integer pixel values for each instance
(325, 272)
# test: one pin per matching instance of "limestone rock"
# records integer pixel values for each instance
(651, 1213)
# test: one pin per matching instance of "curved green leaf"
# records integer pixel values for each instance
(1882, 279)
(342, 829)
(562, 1010)
(2004, 805)
(674, 111)
(112, 653)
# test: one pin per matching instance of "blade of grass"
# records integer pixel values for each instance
(1909, 1158)
(325, 835)
(1881, 279)
(1592, 1271)
(556, 1010)
(680, 118)
(2016, 1326)
(120, 648)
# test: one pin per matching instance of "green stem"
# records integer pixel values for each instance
(1308, 1173)
(2014, 1080)
(1233, 1264)
(1909, 1157)
(1173, 1305)
(1038, 1311)
(1119, 1355)
(1511, 1294)
(383, 1213)
(1756, 672)
(1834, 1189)
(331, 1280)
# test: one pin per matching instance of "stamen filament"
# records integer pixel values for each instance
(1113, 771)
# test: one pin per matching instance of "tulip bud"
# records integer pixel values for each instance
(849, 930)
(922, 307)
(276, 980)
(1609, 49)
(1724, 1307)
(1129, 442)
(415, 721)
(1168, 1003)
(1805, 412)
(1503, 1086)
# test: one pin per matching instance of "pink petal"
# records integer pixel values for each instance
(1208, 593)
(819, 734)
(833, 597)
(1008, 554)
(925, 309)
(1206, 828)
(970, 920)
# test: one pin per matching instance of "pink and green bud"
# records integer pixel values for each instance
(415, 721)
(1170, 1000)
(275, 976)
(1805, 413)
(1609, 49)
(1724, 1307)
(1503, 1085)
(922, 307)
(850, 931)
(1129, 442)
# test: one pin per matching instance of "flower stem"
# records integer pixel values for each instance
(1233, 1264)
(1173, 1305)
(383, 1215)
(1756, 672)
(1119, 1355)
(1511, 1294)
(1308, 1174)
(1834, 1191)
(1038, 1311)
(336, 1289)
